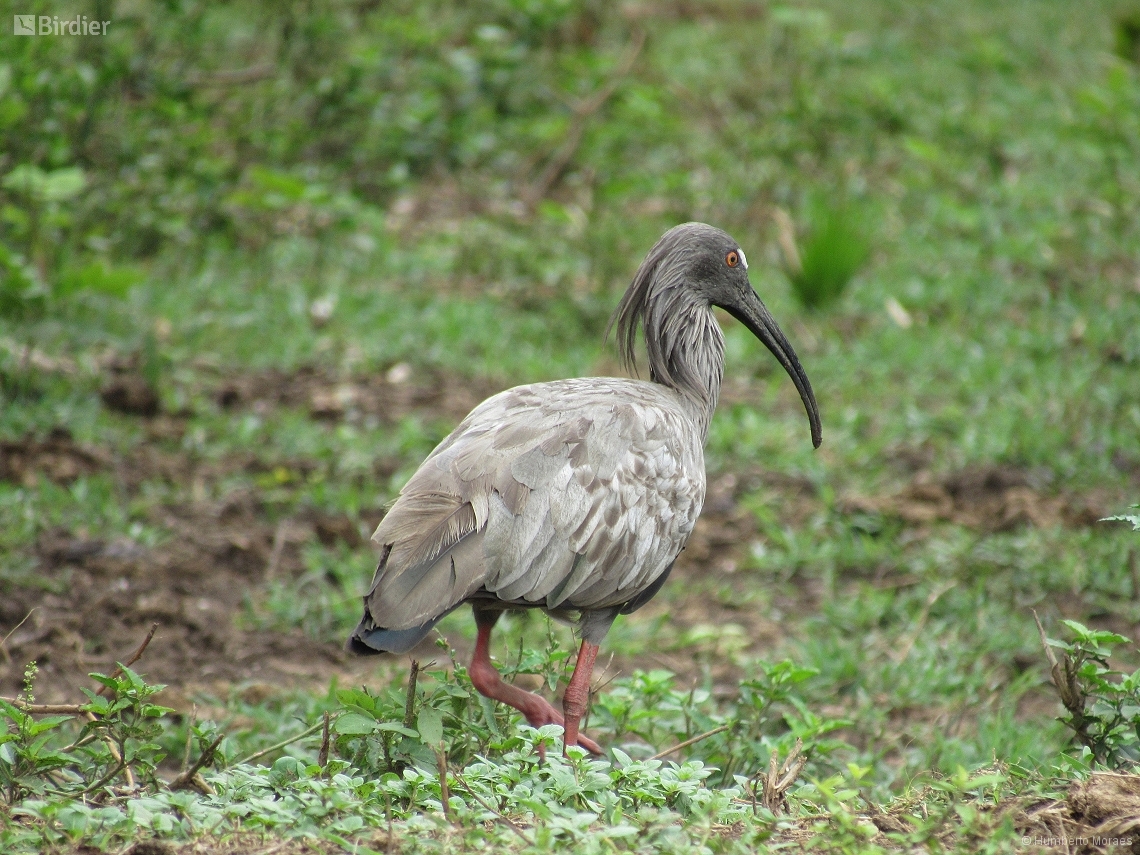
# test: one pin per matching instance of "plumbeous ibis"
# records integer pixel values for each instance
(574, 496)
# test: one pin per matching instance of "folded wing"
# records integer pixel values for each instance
(566, 495)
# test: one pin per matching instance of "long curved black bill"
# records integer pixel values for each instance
(751, 312)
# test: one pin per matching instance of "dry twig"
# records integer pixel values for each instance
(323, 754)
(920, 624)
(410, 703)
(779, 780)
(44, 709)
(191, 778)
(189, 737)
(511, 825)
(257, 754)
(275, 552)
(444, 795)
(786, 237)
(662, 754)
(132, 659)
(1065, 679)
(4, 640)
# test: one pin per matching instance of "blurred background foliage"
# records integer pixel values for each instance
(194, 124)
(243, 122)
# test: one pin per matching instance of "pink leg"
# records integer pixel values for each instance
(536, 709)
(578, 694)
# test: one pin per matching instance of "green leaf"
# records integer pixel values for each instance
(1134, 519)
(59, 185)
(354, 724)
(13, 712)
(103, 679)
(356, 698)
(430, 724)
(98, 277)
(97, 705)
(1098, 637)
(395, 727)
(48, 723)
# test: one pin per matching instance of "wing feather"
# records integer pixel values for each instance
(406, 600)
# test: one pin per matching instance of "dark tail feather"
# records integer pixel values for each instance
(370, 641)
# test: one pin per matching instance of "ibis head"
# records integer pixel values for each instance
(692, 268)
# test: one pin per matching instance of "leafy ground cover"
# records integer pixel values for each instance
(256, 261)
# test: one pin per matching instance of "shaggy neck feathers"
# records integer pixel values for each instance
(684, 342)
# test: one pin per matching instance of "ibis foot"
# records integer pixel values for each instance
(536, 709)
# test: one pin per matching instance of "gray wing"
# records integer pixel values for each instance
(573, 495)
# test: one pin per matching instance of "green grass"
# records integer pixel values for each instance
(996, 151)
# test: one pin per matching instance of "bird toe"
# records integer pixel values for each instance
(590, 745)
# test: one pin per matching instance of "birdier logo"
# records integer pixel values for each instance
(53, 25)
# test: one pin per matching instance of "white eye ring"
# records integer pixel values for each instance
(743, 260)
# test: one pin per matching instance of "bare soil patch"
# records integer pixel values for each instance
(57, 458)
(325, 395)
(1098, 815)
(988, 498)
(99, 597)
(131, 394)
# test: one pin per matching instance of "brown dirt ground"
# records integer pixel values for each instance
(97, 597)
(1101, 814)
(987, 498)
(1097, 815)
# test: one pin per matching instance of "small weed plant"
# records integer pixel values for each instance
(114, 744)
(434, 766)
(1132, 518)
(407, 759)
(836, 248)
(1102, 703)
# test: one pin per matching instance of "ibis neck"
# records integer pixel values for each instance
(686, 351)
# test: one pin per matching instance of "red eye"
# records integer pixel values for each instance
(732, 259)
